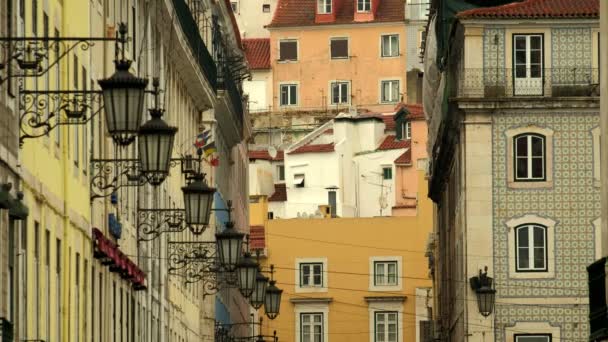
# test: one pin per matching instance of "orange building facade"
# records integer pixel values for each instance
(339, 40)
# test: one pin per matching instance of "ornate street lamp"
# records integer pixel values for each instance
(198, 198)
(246, 273)
(272, 301)
(259, 291)
(229, 247)
(155, 140)
(486, 294)
(123, 96)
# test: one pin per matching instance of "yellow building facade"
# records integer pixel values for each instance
(347, 279)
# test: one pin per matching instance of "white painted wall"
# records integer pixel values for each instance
(259, 90)
(252, 19)
(261, 178)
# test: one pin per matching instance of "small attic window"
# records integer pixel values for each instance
(364, 5)
(324, 6)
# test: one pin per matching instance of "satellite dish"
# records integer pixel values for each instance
(272, 151)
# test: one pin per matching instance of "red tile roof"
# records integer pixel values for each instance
(390, 143)
(257, 51)
(302, 13)
(257, 238)
(313, 148)
(537, 9)
(264, 155)
(416, 110)
(405, 158)
(280, 193)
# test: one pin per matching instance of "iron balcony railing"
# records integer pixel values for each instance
(545, 82)
(196, 42)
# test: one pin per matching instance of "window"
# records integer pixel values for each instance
(311, 327)
(387, 172)
(385, 326)
(58, 262)
(529, 157)
(406, 130)
(35, 17)
(288, 50)
(528, 64)
(235, 6)
(533, 338)
(311, 275)
(289, 95)
(595, 134)
(266, 8)
(281, 172)
(364, 5)
(531, 247)
(338, 48)
(339, 93)
(298, 180)
(389, 91)
(324, 6)
(385, 273)
(390, 45)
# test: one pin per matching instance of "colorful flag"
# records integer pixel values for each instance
(209, 149)
(215, 162)
(201, 139)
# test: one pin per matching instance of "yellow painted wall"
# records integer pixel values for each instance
(348, 244)
(313, 55)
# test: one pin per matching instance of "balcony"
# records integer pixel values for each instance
(533, 82)
(197, 45)
(227, 83)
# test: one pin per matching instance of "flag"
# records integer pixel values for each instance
(215, 162)
(201, 139)
(209, 149)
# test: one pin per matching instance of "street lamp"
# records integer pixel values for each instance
(259, 291)
(272, 301)
(198, 198)
(155, 139)
(123, 97)
(246, 272)
(229, 246)
(486, 294)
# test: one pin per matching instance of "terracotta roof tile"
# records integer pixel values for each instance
(302, 13)
(263, 155)
(537, 9)
(257, 51)
(280, 193)
(257, 238)
(390, 143)
(313, 148)
(405, 158)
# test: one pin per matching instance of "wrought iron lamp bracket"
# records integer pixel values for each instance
(42, 111)
(151, 223)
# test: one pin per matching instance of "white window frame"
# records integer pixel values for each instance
(320, 307)
(385, 315)
(392, 54)
(289, 85)
(387, 167)
(372, 273)
(390, 82)
(322, 6)
(406, 130)
(548, 155)
(309, 271)
(286, 40)
(311, 288)
(530, 219)
(331, 94)
(530, 248)
(312, 324)
(522, 337)
(331, 39)
(395, 305)
(278, 169)
(532, 328)
(366, 4)
(529, 137)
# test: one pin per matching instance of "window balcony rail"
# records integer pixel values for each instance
(528, 82)
(197, 44)
(6, 330)
(228, 84)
